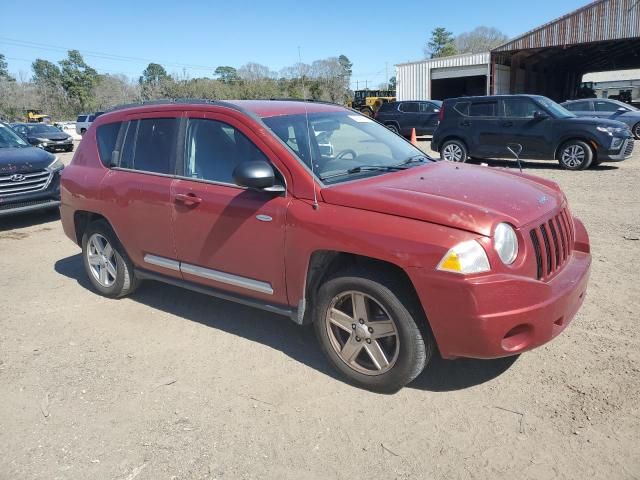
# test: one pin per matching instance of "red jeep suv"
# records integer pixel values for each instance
(316, 212)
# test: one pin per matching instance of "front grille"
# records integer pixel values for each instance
(552, 243)
(25, 183)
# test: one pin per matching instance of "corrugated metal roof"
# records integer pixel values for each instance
(463, 60)
(598, 21)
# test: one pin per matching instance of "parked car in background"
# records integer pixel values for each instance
(483, 127)
(389, 254)
(68, 128)
(606, 108)
(84, 121)
(45, 136)
(403, 116)
(29, 176)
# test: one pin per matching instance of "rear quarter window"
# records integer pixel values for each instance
(462, 108)
(107, 137)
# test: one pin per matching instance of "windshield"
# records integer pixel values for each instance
(344, 145)
(40, 128)
(558, 111)
(10, 139)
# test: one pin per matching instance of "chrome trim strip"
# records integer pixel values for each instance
(228, 278)
(162, 262)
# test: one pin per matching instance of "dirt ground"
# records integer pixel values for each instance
(170, 384)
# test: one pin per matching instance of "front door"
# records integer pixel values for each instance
(521, 126)
(227, 237)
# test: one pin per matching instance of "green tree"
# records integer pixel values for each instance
(441, 44)
(392, 83)
(154, 75)
(4, 69)
(480, 39)
(46, 73)
(347, 66)
(77, 78)
(227, 74)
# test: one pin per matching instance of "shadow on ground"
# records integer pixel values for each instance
(280, 333)
(28, 219)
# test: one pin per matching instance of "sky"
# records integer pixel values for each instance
(196, 36)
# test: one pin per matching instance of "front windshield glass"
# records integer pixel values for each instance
(10, 139)
(41, 128)
(558, 111)
(344, 145)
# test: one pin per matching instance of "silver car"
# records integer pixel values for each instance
(605, 108)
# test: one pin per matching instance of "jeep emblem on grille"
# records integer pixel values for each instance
(17, 177)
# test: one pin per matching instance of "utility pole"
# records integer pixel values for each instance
(386, 74)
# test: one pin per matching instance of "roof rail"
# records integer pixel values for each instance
(165, 101)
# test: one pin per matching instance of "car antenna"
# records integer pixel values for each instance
(306, 115)
(516, 150)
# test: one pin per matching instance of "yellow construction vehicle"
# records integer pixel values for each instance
(36, 116)
(368, 101)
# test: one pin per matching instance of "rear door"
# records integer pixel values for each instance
(409, 117)
(227, 237)
(139, 189)
(428, 122)
(519, 125)
(481, 128)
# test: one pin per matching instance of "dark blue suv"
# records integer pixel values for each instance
(483, 127)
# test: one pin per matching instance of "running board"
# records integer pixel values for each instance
(292, 313)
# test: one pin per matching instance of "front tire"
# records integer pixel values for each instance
(636, 131)
(367, 327)
(575, 155)
(454, 151)
(106, 263)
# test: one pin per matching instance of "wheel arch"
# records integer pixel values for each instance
(593, 144)
(448, 138)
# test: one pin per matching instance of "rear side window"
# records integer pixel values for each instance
(606, 106)
(578, 106)
(409, 107)
(462, 108)
(483, 109)
(426, 107)
(81, 118)
(150, 145)
(386, 107)
(107, 136)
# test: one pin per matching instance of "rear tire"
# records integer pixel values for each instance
(454, 151)
(575, 155)
(107, 265)
(377, 345)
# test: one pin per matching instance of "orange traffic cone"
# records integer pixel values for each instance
(414, 140)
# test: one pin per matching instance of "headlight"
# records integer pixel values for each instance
(610, 130)
(55, 165)
(466, 257)
(616, 143)
(505, 243)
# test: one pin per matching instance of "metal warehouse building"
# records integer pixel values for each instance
(549, 60)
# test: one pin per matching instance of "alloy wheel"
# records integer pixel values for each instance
(636, 130)
(452, 153)
(101, 259)
(573, 156)
(362, 333)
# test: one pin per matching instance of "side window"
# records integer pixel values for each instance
(107, 136)
(578, 106)
(426, 107)
(409, 107)
(519, 108)
(462, 108)
(606, 107)
(150, 145)
(213, 149)
(483, 109)
(81, 118)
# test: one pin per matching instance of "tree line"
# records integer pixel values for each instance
(71, 86)
(443, 43)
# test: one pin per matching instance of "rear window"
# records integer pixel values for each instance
(483, 109)
(107, 136)
(81, 118)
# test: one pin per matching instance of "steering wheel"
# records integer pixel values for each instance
(340, 155)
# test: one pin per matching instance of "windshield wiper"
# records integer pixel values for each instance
(366, 168)
(420, 158)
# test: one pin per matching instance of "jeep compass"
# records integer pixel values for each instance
(388, 254)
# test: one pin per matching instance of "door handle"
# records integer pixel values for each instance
(507, 124)
(188, 199)
(465, 123)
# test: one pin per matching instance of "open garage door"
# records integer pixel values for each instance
(458, 87)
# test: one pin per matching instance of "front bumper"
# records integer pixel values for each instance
(618, 155)
(500, 315)
(54, 145)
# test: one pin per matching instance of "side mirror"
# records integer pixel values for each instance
(540, 115)
(621, 110)
(258, 175)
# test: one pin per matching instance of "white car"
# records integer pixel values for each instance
(69, 128)
(84, 121)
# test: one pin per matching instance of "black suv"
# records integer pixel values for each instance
(402, 117)
(483, 127)
(29, 176)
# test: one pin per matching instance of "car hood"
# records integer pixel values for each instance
(22, 160)
(50, 136)
(468, 197)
